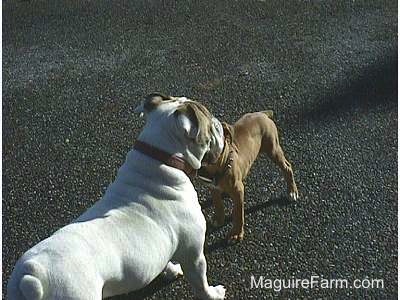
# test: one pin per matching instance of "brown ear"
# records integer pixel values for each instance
(199, 116)
(153, 100)
(228, 131)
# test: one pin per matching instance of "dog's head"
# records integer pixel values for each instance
(182, 127)
(217, 143)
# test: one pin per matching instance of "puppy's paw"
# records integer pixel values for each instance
(294, 195)
(217, 223)
(172, 271)
(235, 236)
(216, 292)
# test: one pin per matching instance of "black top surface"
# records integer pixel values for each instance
(74, 70)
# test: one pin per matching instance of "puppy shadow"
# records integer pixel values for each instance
(280, 201)
(208, 202)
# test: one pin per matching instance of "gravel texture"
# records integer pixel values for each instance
(74, 70)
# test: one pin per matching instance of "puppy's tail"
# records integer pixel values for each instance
(28, 282)
(269, 113)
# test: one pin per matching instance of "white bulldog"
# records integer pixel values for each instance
(148, 216)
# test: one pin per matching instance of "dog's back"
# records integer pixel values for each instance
(119, 226)
(255, 130)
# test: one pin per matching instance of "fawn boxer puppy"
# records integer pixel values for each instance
(252, 134)
(148, 216)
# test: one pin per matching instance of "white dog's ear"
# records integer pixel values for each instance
(190, 129)
(195, 120)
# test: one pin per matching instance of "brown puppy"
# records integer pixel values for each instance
(252, 134)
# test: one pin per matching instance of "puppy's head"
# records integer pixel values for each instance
(182, 127)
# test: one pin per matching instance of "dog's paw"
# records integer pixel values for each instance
(172, 271)
(216, 292)
(217, 223)
(235, 236)
(293, 194)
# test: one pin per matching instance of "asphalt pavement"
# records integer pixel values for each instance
(74, 70)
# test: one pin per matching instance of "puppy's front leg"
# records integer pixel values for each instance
(219, 217)
(195, 272)
(237, 195)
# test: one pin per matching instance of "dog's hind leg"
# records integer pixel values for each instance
(172, 271)
(276, 154)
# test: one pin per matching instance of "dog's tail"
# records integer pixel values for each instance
(269, 113)
(31, 287)
(28, 282)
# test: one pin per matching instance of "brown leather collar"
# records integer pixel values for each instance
(225, 163)
(214, 179)
(166, 158)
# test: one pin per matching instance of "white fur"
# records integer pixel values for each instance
(172, 271)
(148, 216)
(294, 196)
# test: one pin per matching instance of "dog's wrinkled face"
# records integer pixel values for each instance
(181, 126)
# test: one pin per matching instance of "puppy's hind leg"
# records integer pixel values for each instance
(195, 272)
(277, 156)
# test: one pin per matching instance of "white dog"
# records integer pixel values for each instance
(148, 216)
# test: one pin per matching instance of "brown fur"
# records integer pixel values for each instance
(200, 116)
(252, 134)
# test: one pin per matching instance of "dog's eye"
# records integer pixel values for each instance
(208, 144)
(204, 144)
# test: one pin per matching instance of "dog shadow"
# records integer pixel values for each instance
(280, 201)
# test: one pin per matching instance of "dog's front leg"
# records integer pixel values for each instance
(219, 216)
(195, 272)
(237, 195)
